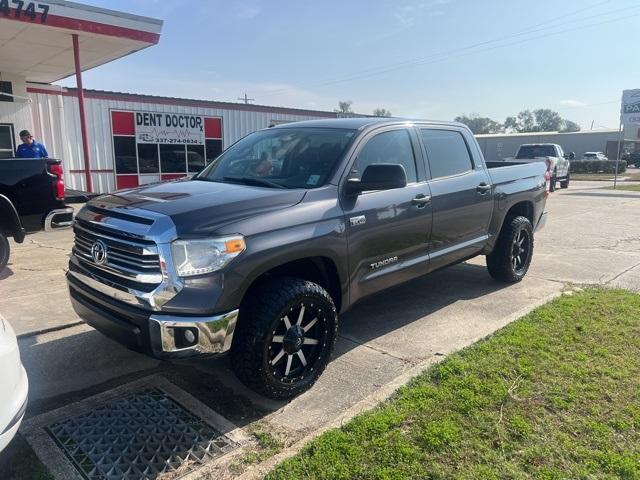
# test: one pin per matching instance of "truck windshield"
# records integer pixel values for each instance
(533, 151)
(281, 158)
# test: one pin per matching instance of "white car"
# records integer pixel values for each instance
(14, 385)
(594, 156)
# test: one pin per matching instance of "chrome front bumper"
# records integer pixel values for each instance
(172, 336)
(163, 336)
(56, 219)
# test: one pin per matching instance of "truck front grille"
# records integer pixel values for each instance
(117, 258)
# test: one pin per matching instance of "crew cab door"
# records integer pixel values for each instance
(388, 230)
(461, 195)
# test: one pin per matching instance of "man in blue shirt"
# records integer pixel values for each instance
(30, 148)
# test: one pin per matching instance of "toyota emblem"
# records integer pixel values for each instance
(99, 252)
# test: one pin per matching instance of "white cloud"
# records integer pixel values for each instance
(572, 103)
(246, 11)
(409, 13)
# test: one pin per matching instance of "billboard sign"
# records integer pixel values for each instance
(631, 107)
(169, 128)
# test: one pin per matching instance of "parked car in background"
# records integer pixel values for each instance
(594, 156)
(632, 159)
(557, 161)
(14, 385)
(31, 199)
(259, 252)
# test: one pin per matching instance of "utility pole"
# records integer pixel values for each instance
(246, 99)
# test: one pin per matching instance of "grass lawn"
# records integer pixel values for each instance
(19, 462)
(631, 175)
(555, 395)
(622, 186)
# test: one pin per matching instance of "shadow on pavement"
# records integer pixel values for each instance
(400, 306)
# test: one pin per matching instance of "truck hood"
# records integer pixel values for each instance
(198, 207)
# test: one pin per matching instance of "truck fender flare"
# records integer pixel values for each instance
(286, 258)
(9, 212)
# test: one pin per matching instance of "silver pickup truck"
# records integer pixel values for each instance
(557, 161)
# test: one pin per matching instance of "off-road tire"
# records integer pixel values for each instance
(5, 251)
(565, 183)
(260, 315)
(500, 262)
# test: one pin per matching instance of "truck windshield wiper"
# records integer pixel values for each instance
(260, 182)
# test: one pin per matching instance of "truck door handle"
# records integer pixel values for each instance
(421, 200)
(483, 188)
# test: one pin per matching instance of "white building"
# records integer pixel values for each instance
(108, 140)
(501, 146)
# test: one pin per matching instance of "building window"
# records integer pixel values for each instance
(196, 158)
(148, 159)
(152, 146)
(126, 160)
(173, 159)
(214, 149)
(7, 147)
(6, 87)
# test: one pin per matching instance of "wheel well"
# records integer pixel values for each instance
(320, 270)
(524, 209)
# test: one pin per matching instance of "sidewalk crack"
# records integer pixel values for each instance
(375, 349)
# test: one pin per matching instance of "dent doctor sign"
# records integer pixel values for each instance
(169, 128)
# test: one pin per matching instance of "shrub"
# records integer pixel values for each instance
(597, 166)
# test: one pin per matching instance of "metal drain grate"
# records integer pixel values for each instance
(141, 436)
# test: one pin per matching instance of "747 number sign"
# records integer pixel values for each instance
(22, 9)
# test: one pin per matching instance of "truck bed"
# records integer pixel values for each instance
(512, 171)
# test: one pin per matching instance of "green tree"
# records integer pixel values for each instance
(540, 120)
(570, 126)
(480, 125)
(382, 112)
(547, 120)
(344, 107)
(524, 122)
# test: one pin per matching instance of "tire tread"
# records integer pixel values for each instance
(499, 261)
(253, 330)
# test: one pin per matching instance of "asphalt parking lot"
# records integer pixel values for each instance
(592, 237)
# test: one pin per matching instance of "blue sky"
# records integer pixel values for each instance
(418, 58)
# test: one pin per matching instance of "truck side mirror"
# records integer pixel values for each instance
(379, 176)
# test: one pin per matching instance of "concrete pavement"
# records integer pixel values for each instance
(592, 237)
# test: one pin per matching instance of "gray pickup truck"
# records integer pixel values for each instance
(259, 253)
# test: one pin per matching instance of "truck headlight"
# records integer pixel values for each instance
(197, 257)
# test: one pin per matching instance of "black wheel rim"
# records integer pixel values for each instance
(297, 342)
(520, 251)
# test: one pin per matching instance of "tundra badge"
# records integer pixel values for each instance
(355, 221)
(384, 263)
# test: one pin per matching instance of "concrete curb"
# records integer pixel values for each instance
(379, 396)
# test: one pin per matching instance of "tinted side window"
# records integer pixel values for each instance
(389, 147)
(447, 152)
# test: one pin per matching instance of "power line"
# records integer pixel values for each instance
(430, 60)
(450, 53)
